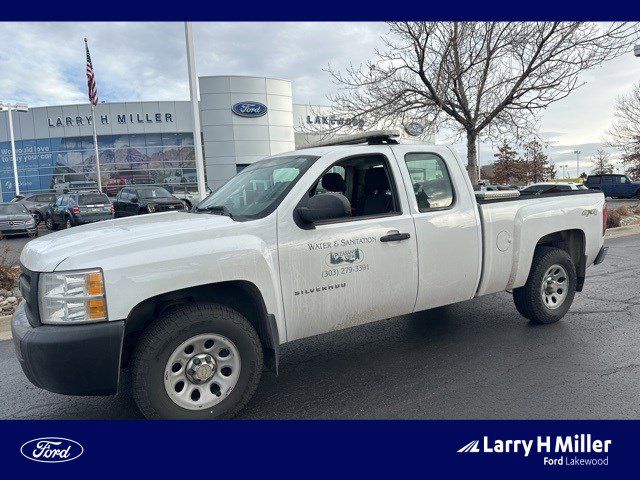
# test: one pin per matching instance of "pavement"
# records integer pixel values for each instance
(613, 203)
(477, 359)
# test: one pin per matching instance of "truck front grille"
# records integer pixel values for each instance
(29, 289)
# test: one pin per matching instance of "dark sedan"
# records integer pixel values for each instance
(140, 200)
(78, 209)
(15, 219)
(36, 204)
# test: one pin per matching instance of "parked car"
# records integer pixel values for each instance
(73, 209)
(551, 187)
(148, 199)
(36, 204)
(15, 219)
(119, 179)
(73, 182)
(295, 245)
(187, 193)
(614, 185)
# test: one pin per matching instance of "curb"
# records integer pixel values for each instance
(622, 231)
(5, 328)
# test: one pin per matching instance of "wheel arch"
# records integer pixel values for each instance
(573, 242)
(242, 296)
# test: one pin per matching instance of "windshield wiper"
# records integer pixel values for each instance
(216, 209)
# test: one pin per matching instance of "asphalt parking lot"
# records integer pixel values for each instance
(478, 359)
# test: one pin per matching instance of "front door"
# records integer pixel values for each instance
(356, 269)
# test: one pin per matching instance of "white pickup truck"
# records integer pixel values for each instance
(298, 244)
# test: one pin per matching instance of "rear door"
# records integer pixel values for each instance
(447, 222)
(348, 271)
(608, 185)
(59, 209)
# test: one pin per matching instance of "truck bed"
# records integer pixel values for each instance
(513, 227)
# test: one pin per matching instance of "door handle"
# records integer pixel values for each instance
(395, 237)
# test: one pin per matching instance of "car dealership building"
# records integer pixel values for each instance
(243, 119)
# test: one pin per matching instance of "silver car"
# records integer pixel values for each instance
(15, 219)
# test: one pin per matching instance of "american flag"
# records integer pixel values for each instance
(91, 80)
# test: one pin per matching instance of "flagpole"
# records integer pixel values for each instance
(95, 145)
(195, 110)
(93, 99)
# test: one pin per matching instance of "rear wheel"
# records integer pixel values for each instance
(199, 361)
(550, 288)
(69, 222)
(49, 223)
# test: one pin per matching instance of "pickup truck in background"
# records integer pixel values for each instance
(614, 185)
(298, 244)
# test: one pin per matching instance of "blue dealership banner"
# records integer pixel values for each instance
(355, 10)
(326, 449)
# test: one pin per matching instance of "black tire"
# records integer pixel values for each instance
(69, 222)
(529, 299)
(158, 342)
(49, 223)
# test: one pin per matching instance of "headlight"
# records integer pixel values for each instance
(72, 297)
(151, 208)
(30, 223)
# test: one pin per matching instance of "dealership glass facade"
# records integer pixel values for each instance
(53, 164)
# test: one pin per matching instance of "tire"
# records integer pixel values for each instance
(538, 305)
(154, 354)
(50, 224)
(69, 223)
(37, 216)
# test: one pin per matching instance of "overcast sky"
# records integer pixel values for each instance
(43, 64)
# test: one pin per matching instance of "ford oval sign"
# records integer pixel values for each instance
(249, 109)
(51, 450)
(414, 129)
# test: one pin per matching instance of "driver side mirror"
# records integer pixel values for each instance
(134, 199)
(324, 206)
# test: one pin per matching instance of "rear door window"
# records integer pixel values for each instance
(430, 181)
(93, 199)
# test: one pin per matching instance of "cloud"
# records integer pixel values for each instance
(44, 64)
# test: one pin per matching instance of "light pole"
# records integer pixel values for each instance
(193, 90)
(577, 152)
(20, 107)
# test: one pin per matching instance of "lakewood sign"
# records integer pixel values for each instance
(124, 118)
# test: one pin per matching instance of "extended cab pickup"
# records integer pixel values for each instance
(301, 243)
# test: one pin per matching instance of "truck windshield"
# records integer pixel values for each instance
(258, 189)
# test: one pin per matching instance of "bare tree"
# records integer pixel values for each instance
(602, 162)
(625, 130)
(477, 77)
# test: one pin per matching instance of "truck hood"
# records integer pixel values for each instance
(112, 237)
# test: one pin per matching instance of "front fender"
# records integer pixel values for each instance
(245, 252)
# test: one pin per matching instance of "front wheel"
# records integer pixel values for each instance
(550, 288)
(199, 361)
